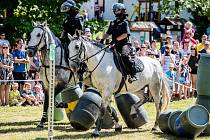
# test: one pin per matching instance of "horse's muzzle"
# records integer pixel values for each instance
(31, 52)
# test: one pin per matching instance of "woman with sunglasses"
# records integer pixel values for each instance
(193, 64)
(6, 67)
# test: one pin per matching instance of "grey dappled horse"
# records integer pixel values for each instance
(41, 38)
(106, 77)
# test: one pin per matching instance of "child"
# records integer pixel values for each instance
(28, 95)
(38, 94)
(171, 75)
(184, 77)
(189, 33)
(14, 96)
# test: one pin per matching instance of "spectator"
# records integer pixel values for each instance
(168, 42)
(87, 34)
(185, 51)
(147, 44)
(85, 15)
(201, 45)
(167, 58)
(178, 55)
(193, 64)
(38, 82)
(2, 38)
(184, 77)
(20, 61)
(15, 98)
(27, 93)
(171, 75)
(35, 64)
(154, 50)
(143, 50)
(136, 45)
(206, 47)
(39, 95)
(6, 66)
(189, 33)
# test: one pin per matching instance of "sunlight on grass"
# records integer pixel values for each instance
(18, 123)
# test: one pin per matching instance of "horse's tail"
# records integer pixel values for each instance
(165, 94)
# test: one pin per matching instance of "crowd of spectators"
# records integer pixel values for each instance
(17, 75)
(179, 60)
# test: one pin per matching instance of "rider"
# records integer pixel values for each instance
(72, 23)
(120, 38)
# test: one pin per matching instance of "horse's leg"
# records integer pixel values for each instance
(155, 89)
(118, 127)
(105, 103)
(44, 114)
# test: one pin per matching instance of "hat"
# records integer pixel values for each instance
(171, 65)
(207, 42)
(169, 36)
(87, 29)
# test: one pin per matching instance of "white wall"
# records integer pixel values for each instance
(89, 6)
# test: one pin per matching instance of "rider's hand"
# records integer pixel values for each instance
(102, 41)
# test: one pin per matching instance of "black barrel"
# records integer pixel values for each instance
(87, 110)
(171, 120)
(167, 119)
(124, 103)
(71, 95)
(205, 101)
(192, 122)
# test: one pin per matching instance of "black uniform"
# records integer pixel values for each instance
(70, 24)
(117, 28)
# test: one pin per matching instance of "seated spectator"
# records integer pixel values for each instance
(171, 75)
(38, 82)
(15, 98)
(27, 93)
(184, 78)
(39, 95)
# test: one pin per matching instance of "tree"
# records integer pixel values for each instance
(23, 12)
(199, 9)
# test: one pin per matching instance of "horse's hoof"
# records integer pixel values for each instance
(94, 135)
(118, 129)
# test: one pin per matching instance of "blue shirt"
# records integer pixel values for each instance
(19, 67)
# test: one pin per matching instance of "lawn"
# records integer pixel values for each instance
(19, 123)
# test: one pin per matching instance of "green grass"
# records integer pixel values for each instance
(19, 123)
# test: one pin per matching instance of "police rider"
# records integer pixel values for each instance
(120, 32)
(72, 23)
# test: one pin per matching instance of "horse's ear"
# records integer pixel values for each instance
(34, 24)
(70, 37)
(44, 23)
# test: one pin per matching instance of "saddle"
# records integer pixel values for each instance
(124, 67)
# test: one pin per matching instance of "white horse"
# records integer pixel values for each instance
(41, 38)
(106, 77)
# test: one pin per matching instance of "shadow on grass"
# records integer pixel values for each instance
(19, 123)
(168, 136)
(26, 129)
(102, 134)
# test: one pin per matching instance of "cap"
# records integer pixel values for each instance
(169, 36)
(87, 29)
(171, 65)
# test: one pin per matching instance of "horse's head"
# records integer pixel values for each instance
(37, 38)
(76, 51)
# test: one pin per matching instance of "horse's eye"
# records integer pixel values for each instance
(77, 47)
(38, 35)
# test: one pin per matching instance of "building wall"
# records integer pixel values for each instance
(89, 6)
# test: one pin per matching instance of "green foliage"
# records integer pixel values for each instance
(97, 25)
(19, 23)
(202, 7)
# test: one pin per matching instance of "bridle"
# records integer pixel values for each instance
(43, 37)
(78, 59)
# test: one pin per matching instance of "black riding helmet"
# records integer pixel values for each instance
(118, 9)
(69, 6)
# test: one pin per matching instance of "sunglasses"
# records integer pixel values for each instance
(186, 42)
(5, 47)
(167, 48)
